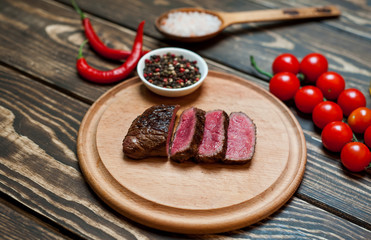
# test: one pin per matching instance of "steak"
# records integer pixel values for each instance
(214, 142)
(150, 133)
(188, 135)
(241, 139)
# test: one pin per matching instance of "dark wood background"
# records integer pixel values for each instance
(43, 194)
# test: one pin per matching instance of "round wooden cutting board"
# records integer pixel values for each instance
(191, 197)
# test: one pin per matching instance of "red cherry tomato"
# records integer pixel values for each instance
(312, 66)
(326, 112)
(355, 156)
(284, 85)
(286, 62)
(367, 137)
(335, 135)
(331, 85)
(351, 99)
(360, 119)
(307, 97)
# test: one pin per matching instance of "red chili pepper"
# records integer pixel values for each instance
(96, 43)
(117, 74)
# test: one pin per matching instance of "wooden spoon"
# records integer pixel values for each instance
(228, 18)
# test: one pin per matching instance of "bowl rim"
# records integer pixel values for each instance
(200, 61)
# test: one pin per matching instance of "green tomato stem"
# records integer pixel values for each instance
(253, 64)
(301, 77)
(354, 139)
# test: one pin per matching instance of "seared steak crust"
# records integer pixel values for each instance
(149, 132)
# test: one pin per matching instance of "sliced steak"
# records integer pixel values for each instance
(214, 142)
(188, 135)
(150, 133)
(241, 139)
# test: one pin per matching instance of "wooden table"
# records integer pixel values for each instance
(43, 101)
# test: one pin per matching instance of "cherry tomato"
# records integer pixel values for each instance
(360, 119)
(331, 85)
(335, 135)
(326, 112)
(284, 85)
(307, 97)
(312, 66)
(355, 156)
(367, 137)
(286, 62)
(351, 99)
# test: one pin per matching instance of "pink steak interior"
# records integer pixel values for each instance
(241, 137)
(185, 131)
(213, 137)
(171, 127)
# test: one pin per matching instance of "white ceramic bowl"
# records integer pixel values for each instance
(176, 92)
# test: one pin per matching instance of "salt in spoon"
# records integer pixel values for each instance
(229, 18)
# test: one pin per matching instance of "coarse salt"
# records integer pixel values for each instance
(188, 24)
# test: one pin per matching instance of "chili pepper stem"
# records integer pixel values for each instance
(80, 49)
(78, 10)
(253, 63)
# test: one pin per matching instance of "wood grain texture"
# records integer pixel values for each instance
(15, 224)
(51, 34)
(355, 18)
(193, 198)
(39, 170)
(41, 41)
(264, 41)
(50, 37)
(38, 159)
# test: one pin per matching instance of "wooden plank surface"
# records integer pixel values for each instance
(41, 119)
(45, 176)
(50, 37)
(54, 66)
(355, 17)
(265, 40)
(16, 224)
(62, 32)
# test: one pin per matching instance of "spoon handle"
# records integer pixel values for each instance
(278, 14)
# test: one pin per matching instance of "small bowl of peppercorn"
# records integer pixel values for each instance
(172, 72)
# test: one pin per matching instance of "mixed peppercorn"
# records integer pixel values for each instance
(171, 71)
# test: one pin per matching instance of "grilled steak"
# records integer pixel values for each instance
(214, 141)
(241, 139)
(150, 133)
(188, 135)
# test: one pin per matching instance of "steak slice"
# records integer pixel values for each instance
(241, 139)
(150, 133)
(214, 142)
(188, 135)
